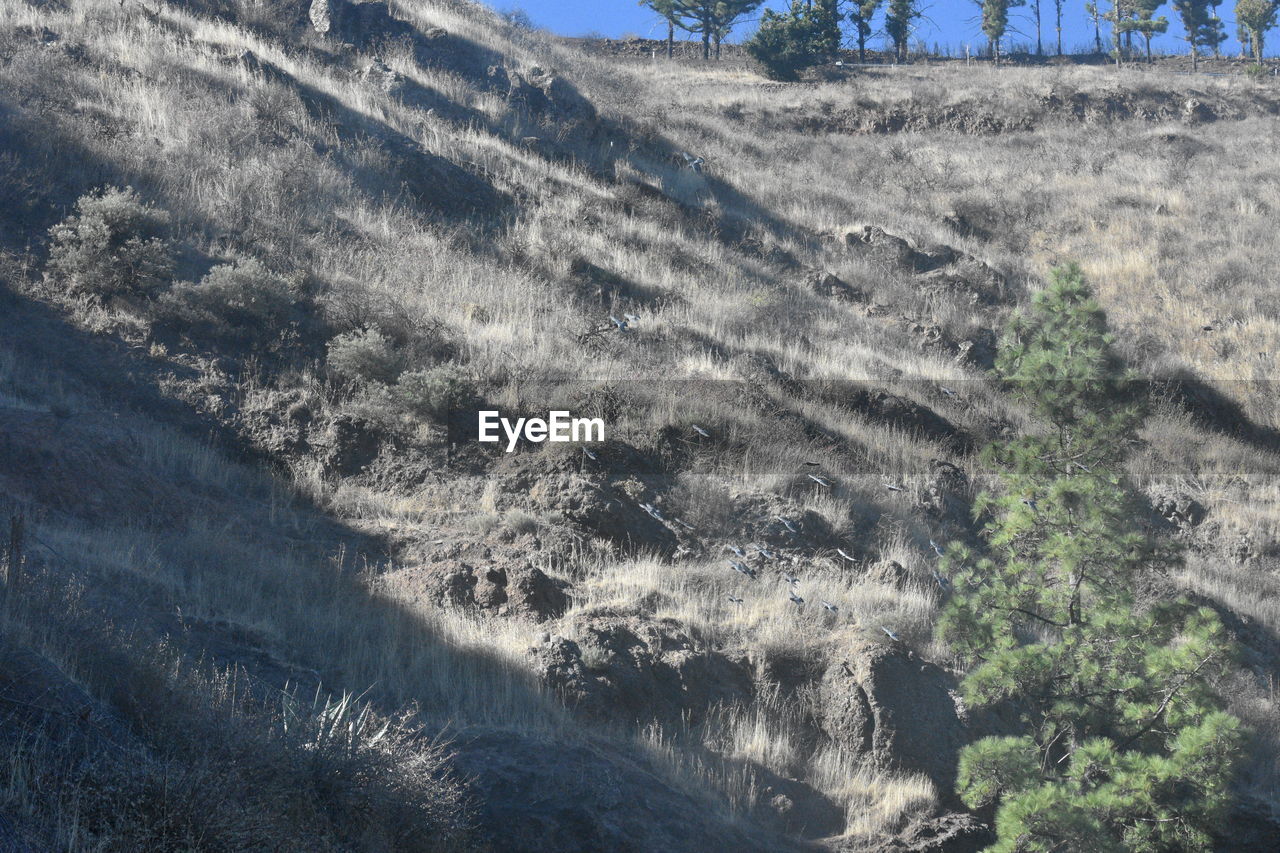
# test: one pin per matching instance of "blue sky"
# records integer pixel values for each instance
(947, 22)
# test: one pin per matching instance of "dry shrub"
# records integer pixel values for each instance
(112, 246)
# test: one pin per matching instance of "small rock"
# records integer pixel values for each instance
(321, 14)
(351, 443)
(1179, 509)
(889, 572)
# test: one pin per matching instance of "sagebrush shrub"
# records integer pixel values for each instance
(431, 394)
(365, 356)
(240, 301)
(112, 246)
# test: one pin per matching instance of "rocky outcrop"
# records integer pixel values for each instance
(831, 286)
(947, 496)
(542, 93)
(1178, 508)
(633, 668)
(885, 407)
(946, 833)
(321, 15)
(523, 590)
(604, 497)
(939, 267)
(889, 572)
(883, 702)
(350, 444)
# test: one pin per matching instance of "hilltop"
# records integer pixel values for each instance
(261, 262)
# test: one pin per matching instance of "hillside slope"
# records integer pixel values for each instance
(263, 559)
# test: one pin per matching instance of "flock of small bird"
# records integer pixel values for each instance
(740, 562)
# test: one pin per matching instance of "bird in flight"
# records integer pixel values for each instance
(1082, 467)
(590, 455)
(700, 431)
(1031, 504)
(829, 607)
(826, 484)
(742, 569)
(950, 392)
(735, 599)
(621, 324)
(738, 552)
(653, 511)
(892, 487)
(632, 319)
(785, 523)
(795, 599)
(686, 525)
(790, 578)
(841, 552)
(937, 549)
(763, 552)
(889, 634)
(943, 583)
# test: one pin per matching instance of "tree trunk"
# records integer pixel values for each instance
(1039, 46)
(717, 47)
(1058, 24)
(1195, 59)
(1148, 38)
(1097, 35)
(862, 47)
(671, 39)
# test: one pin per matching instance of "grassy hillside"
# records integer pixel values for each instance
(256, 562)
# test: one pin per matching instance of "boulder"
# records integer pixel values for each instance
(350, 443)
(633, 668)
(380, 76)
(978, 350)
(884, 406)
(830, 286)
(889, 572)
(322, 14)
(1178, 508)
(883, 702)
(604, 498)
(946, 495)
(522, 590)
(880, 245)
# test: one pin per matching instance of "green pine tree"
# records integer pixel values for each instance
(1255, 17)
(711, 19)
(1198, 26)
(1125, 746)
(805, 35)
(899, 23)
(861, 14)
(1146, 24)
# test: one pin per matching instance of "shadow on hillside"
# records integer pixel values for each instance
(1214, 411)
(338, 557)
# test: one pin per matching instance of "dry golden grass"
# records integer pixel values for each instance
(1172, 222)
